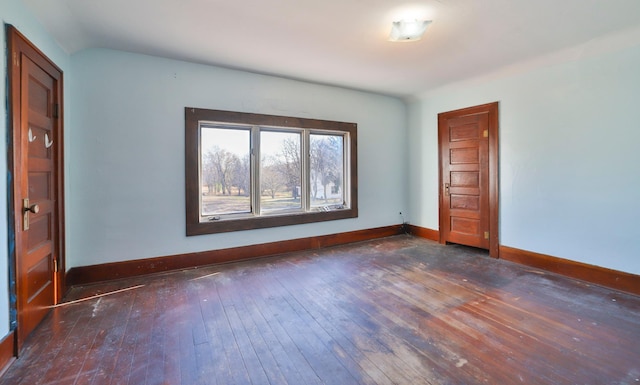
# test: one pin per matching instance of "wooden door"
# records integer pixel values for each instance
(36, 93)
(468, 177)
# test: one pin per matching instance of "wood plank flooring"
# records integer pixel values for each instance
(399, 310)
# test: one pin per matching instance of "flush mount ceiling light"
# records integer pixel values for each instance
(408, 30)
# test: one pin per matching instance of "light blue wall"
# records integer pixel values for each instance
(126, 155)
(14, 12)
(569, 158)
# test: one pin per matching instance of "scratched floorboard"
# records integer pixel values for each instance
(400, 310)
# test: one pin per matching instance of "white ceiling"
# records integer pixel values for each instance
(340, 42)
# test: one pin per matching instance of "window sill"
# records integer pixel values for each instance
(237, 224)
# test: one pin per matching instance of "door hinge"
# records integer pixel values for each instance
(485, 133)
(16, 62)
(56, 108)
(486, 235)
(55, 264)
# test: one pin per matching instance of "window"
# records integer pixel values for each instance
(247, 171)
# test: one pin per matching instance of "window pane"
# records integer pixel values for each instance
(225, 171)
(327, 171)
(280, 171)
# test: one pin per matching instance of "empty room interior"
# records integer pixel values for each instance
(320, 192)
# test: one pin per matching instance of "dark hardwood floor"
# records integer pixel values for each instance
(400, 310)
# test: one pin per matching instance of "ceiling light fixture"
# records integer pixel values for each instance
(408, 30)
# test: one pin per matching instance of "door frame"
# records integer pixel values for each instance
(494, 204)
(17, 46)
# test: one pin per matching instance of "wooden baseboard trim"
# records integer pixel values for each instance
(613, 279)
(110, 271)
(7, 352)
(423, 232)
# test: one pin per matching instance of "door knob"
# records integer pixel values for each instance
(33, 208)
(26, 209)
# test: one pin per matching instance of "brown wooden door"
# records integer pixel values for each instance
(36, 157)
(467, 185)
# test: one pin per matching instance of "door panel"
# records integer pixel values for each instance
(36, 157)
(36, 252)
(465, 180)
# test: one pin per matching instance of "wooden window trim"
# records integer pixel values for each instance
(192, 178)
